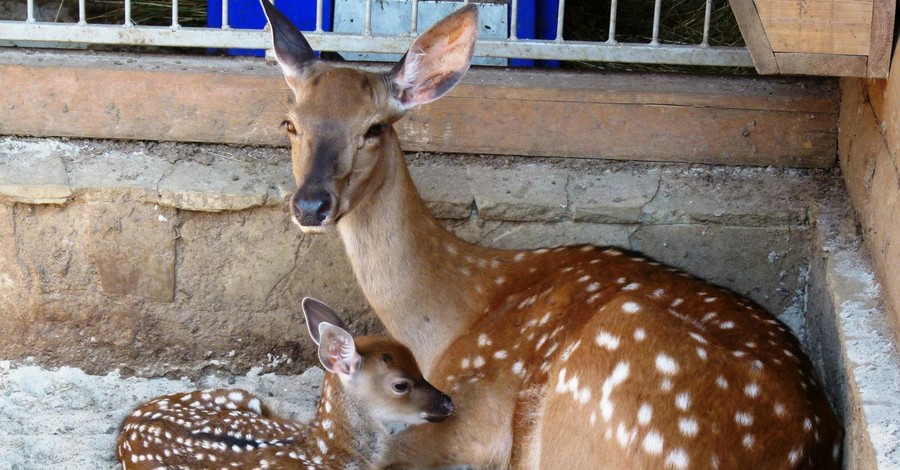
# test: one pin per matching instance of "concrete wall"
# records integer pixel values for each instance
(175, 259)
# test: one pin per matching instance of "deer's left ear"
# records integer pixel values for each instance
(317, 313)
(437, 59)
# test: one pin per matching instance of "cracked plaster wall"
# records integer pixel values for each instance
(180, 259)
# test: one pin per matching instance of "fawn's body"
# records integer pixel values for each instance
(376, 381)
(577, 357)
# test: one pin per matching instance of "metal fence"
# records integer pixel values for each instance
(32, 31)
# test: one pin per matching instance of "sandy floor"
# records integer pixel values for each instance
(66, 419)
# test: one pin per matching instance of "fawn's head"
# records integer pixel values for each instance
(378, 372)
(340, 123)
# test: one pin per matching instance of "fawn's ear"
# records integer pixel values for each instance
(291, 49)
(337, 351)
(437, 59)
(317, 313)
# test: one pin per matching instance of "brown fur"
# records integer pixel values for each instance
(498, 329)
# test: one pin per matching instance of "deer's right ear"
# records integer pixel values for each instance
(317, 313)
(337, 351)
(291, 49)
(437, 59)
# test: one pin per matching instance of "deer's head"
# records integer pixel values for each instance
(341, 121)
(377, 372)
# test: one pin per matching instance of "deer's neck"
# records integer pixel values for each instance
(426, 285)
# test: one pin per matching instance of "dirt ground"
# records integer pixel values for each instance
(66, 419)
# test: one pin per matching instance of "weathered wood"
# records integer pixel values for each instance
(746, 120)
(882, 39)
(817, 26)
(873, 181)
(748, 20)
(800, 63)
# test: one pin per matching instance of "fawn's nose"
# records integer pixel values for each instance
(441, 409)
(311, 208)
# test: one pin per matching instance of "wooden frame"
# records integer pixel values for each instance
(850, 38)
(655, 117)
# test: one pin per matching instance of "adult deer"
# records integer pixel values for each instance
(572, 357)
(368, 382)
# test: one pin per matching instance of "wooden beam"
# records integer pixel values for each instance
(882, 40)
(754, 34)
(834, 65)
(872, 177)
(675, 118)
(817, 26)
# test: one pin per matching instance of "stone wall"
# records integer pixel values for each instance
(177, 259)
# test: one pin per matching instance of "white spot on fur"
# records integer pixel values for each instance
(483, 340)
(666, 364)
(619, 374)
(677, 459)
(752, 390)
(744, 419)
(653, 443)
(607, 340)
(640, 334)
(569, 350)
(632, 286)
(630, 307)
(683, 401)
(645, 414)
(687, 426)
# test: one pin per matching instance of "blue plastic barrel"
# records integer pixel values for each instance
(537, 20)
(248, 14)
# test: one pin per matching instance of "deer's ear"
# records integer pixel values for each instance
(317, 313)
(337, 351)
(437, 59)
(291, 49)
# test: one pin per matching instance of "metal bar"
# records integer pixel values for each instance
(225, 24)
(319, 16)
(514, 20)
(175, 14)
(656, 8)
(613, 9)
(82, 15)
(128, 22)
(707, 19)
(30, 7)
(368, 24)
(415, 18)
(254, 39)
(559, 20)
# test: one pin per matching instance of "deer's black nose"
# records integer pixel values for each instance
(311, 208)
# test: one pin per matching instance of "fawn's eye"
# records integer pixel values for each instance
(289, 126)
(401, 387)
(375, 130)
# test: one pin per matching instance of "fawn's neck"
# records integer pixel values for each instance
(426, 285)
(342, 433)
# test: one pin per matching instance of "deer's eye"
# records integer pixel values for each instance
(401, 387)
(289, 126)
(375, 130)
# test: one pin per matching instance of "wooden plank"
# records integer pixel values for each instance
(754, 121)
(873, 182)
(817, 26)
(882, 39)
(833, 65)
(750, 24)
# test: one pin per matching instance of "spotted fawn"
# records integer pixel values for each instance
(369, 382)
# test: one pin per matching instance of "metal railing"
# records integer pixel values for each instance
(175, 35)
